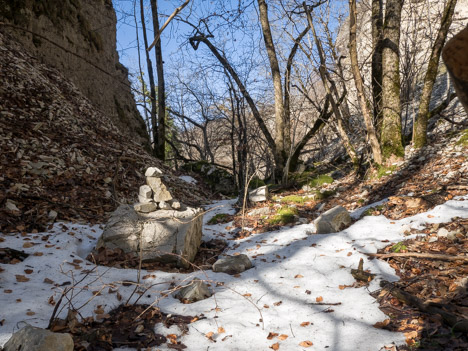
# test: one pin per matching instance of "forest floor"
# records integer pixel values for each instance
(300, 293)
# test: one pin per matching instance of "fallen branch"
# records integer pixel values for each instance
(451, 319)
(360, 274)
(420, 255)
(325, 303)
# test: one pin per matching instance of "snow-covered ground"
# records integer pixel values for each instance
(293, 269)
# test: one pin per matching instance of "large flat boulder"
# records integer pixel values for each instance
(167, 236)
(38, 339)
(333, 220)
(259, 194)
(232, 264)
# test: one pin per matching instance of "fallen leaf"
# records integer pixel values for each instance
(278, 303)
(221, 330)
(48, 281)
(275, 346)
(28, 271)
(30, 313)
(99, 310)
(173, 337)
(305, 324)
(7, 291)
(283, 337)
(21, 278)
(28, 245)
(272, 335)
(319, 299)
(306, 343)
(18, 300)
(380, 325)
(298, 276)
(38, 254)
(247, 295)
(349, 254)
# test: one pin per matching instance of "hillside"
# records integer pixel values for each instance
(59, 153)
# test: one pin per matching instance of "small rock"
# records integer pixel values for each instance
(163, 205)
(153, 172)
(107, 180)
(176, 205)
(11, 206)
(259, 194)
(306, 188)
(146, 192)
(145, 207)
(52, 214)
(161, 193)
(333, 220)
(303, 220)
(37, 339)
(197, 290)
(144, 200)
(442, 232)
(232, 264)
(108, 194)
(262, 211)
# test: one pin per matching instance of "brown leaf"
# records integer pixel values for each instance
(272, 335)
(306, 343)
(298, 276)
(283, 337)
(48, 281)
(38, 254)
(30, 313)
(7, 291)
(221, 330)
(28, 271)
(28, 245)
(275, 346)
(305, 324)
(21, 278)
(319, 299)
(380, 325)
(278, 303)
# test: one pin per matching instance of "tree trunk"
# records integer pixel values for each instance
(149, 65)
(420, 125)
(283, 133)
(325, 80)
(376, 70)
(371, 134)
(391, 137)
(454, 55)
(160, 143)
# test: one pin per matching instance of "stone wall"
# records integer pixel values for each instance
(78, 37)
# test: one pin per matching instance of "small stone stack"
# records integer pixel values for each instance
(155, 194)
(158, 228)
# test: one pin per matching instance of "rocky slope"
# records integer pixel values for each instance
(59, 156)
(79, 39)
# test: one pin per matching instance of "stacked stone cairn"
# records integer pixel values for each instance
(158, 227)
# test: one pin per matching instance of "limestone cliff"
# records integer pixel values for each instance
(78, 37)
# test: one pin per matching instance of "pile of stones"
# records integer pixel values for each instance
(158, 228)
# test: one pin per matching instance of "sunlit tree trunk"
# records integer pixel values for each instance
(420, 125)
(366, 112)
(391, 136)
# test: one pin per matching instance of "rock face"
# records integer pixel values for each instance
(259, 194)
(332, 221)
(454, 55)
(195, 291)
(78, 37)
(165, 235)
(232, 264)
(37, 339)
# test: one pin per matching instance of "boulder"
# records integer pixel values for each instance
(259, 194)
(166, 235)
(232, 264)
(333, 220)
(262, 211)
(161, 193)
(37, 339)
(196, 290)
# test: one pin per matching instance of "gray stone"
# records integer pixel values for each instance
(166, 235)
(259, 194)
(196, 290)
(145, 207)
(232, 264)
(303, 220)
(37, 339)
(52, 214)
(442, 232)
(153, 172)
(333, 220)
(262, 211)
(163, 205)
(159, 189)
(146, 192)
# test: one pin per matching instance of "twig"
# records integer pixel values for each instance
(325, 303)
(420, 255)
